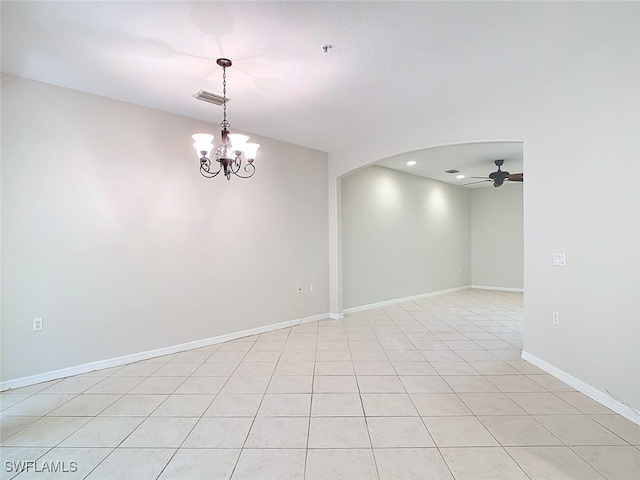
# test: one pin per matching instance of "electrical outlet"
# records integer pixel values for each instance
(402, 276)
(299, 290)
(555, 318)
(37, 324)
(559, 260)
(313, 287)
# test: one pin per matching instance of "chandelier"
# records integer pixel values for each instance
(232, 146)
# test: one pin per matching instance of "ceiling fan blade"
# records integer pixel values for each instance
(473, 183)
(497, 184)
(515, 177)
(486, 178)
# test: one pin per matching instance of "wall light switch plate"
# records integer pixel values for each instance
(37, 324)
(559, 260)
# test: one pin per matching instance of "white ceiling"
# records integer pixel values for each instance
(392, 65)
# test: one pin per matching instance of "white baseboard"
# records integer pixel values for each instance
(405, 299)
(500, 289)
(136, 357)
(602, 398)
(336, 316)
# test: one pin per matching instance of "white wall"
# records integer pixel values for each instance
(497, 244)
(582, 151)
(398, 225)
(112, 236)
(582, 123)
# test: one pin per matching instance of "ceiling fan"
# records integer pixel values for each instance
(499, 176)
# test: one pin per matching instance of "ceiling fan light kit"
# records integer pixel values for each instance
(232, 145)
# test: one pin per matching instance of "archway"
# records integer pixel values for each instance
(406, 231)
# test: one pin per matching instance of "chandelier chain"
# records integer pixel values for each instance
(224, 123)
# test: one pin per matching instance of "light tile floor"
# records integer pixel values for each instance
(431, 389)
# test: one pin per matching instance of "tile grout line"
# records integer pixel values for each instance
(93, 417)
(313, 381)
(145, 418)
(198, 418)
(422, 418)
(416, 408)
(261, 400)
(473, 414)
(364, 413)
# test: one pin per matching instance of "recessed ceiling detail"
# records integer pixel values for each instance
(452, 171)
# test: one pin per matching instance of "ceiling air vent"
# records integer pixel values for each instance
(210, 97)
(452, 171)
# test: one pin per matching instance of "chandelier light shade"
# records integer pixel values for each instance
(233, 146)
